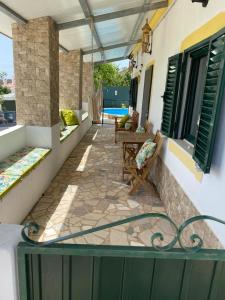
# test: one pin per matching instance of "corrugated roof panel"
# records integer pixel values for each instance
(106, 6)
(110, 32)
(116, 30)
(76, 38)
(113, 53)
(59, 10)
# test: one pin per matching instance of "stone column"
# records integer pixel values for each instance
(36, 61)
(87, 82)
(70, 79)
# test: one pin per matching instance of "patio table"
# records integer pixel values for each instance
(132, 142)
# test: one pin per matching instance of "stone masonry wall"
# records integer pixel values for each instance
(70, 79)
(179, 207)
(36, 63)
(87, 82)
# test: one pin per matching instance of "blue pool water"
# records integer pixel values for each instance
(116, 111)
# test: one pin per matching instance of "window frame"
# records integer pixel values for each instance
(192, 90)
(180, 130)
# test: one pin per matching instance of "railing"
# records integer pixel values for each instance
(195, 239)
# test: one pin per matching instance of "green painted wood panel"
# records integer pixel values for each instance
(197, 280)
(36, 277)
(51, 277)
(101, 276)
(110, 278)
(217, 291)
(137, 278)
(211, 103)
(81, 277)
(171, 94)
(167, 279)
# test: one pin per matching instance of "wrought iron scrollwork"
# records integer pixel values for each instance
(195, 239)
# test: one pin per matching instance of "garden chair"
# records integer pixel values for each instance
(139, 177)
(133, 122)
(131, 149)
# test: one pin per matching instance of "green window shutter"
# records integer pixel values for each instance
(211, 104)
(170, 95)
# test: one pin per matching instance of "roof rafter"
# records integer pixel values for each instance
(114, 15)
(110, 60)
(85, 52)
(88, 14)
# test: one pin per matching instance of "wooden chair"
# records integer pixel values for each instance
(132, 149)
(139, 177)
(133, 122)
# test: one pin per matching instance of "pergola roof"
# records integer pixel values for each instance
(122, 24)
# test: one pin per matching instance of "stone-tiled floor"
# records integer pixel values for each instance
(88, 191)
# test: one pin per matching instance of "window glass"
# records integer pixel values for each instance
(192, 93)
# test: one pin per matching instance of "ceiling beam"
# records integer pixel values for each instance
(11, 13)
(88, 14)
(62, 48)
(110, 60)
(18, 18)
(114, 15)
(112, 47)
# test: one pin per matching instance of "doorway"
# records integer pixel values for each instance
(146, 95)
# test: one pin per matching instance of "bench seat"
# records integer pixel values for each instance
(67, 132)
(18, 165)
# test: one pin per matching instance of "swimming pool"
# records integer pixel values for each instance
(115, 111)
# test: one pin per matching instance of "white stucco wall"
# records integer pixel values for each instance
(12, 140)
(184, 18)
(10, 236)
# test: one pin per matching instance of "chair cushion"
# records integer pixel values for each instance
(140, 129)
(146, 151)
(128, 126)
(123, 121)
(62, 121)
(69, 117)
(18, 165)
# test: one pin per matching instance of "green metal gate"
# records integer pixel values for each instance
(51, 271)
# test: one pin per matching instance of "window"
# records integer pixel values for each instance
(193, 96)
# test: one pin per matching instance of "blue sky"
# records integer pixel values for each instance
(122, 63)
(6, 55)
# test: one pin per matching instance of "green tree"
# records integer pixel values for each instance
(110, 75)
(3, 89)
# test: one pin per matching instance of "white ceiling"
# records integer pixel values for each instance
(110, 32)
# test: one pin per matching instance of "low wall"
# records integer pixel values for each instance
(18, 202)
(12, 140)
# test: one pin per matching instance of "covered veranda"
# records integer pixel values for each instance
(70, 181)
(55, 47)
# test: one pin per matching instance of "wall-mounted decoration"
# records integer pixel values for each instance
(146, 38)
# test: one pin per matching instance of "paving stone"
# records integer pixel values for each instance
(132, 203)
(137, 244)
(77, 201)
(118, 237)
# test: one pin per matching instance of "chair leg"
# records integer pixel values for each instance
(134, 188)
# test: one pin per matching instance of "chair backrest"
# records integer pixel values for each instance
(159, 141)
(134, 119)
(149, 127)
